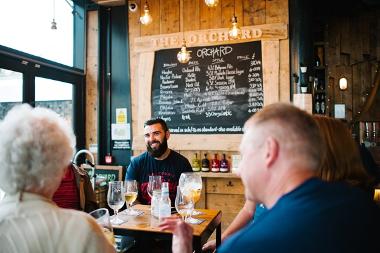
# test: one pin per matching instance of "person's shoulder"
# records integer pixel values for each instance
(141, 157)
(176, 155)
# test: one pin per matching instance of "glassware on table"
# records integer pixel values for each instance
(130, 193)
(102, 217)
(191, 186)
(183, 204)
(154, 184)
(155, 203)
(115, 199)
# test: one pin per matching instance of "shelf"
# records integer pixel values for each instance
(320, 68)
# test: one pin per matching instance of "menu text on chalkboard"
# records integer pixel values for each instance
(214, 93)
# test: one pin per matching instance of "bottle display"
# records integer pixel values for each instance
(215, 164)
(195, 163)
(165, 203)
(205, 164)
(317, 104)
(224, 166)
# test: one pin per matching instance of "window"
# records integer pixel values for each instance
(61, 101)
(10, 90)
(26, 26)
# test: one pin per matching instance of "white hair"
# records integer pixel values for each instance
(36, 146)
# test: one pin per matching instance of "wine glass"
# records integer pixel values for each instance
(154, 184)
(191, 186)
(130, 193)
(102, 217)
(115, 199)
(183, 205)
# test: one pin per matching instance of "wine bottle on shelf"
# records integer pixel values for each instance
(215, 164)
(322, 104)
(205, 164)
(224, 167)
(195, 163)
(317, 104)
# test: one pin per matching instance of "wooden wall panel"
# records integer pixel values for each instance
(191, 22)
(352, 43)
(197, 16)
(210, 17)
(169, 16)
(92, 80)
(276, 11)
(154, 27)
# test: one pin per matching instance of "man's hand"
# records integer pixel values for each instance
(182, 234)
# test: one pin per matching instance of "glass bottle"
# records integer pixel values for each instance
(323, 106)
(317, 105)
(215, 164)
(154, 205)
(195, 163)
(205, 164)
(165, 203)
(224, 164)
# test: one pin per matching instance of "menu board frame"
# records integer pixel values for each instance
(276, 84)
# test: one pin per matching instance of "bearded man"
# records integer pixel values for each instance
(158, 160)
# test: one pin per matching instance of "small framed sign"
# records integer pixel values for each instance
(105, 173)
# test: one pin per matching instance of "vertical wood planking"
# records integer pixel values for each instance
(92, 79)
(345, 36)
(271, 69)
(274, 11)
(227, 12)
(364, 32)
(284, 71)
(210, 17)
(169, 16)
(191, 18)
(154, 10)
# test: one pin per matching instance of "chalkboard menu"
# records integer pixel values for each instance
(215, 92)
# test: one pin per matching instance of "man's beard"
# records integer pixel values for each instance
(160, 150)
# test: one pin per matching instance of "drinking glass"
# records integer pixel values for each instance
(183, 204)
(130, 193)
(102, 217)
(154, 184)
(115, 199)
(191, 186)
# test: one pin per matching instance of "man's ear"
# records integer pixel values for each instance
(272, 150)
(167, 135)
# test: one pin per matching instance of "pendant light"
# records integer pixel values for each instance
(235, 31)
(146, 18)
(53, 23)
(211, 3)
(183, 55)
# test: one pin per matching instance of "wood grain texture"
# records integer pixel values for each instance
(271, 68)
(169, 16)
(92, 80)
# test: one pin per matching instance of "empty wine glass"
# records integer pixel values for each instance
(183, 204)
(154, 184)
(130, 193)
(115, 199)
(102, 217)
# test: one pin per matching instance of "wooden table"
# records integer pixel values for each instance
(146, 226)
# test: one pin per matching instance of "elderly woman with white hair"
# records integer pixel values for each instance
(36, 146)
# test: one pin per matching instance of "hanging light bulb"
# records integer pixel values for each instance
(235, 31)
(53, 23)
(146, 19)
(211, 3)
(183, 56)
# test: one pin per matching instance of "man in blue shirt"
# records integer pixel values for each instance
(281, 149)
(158, 160)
